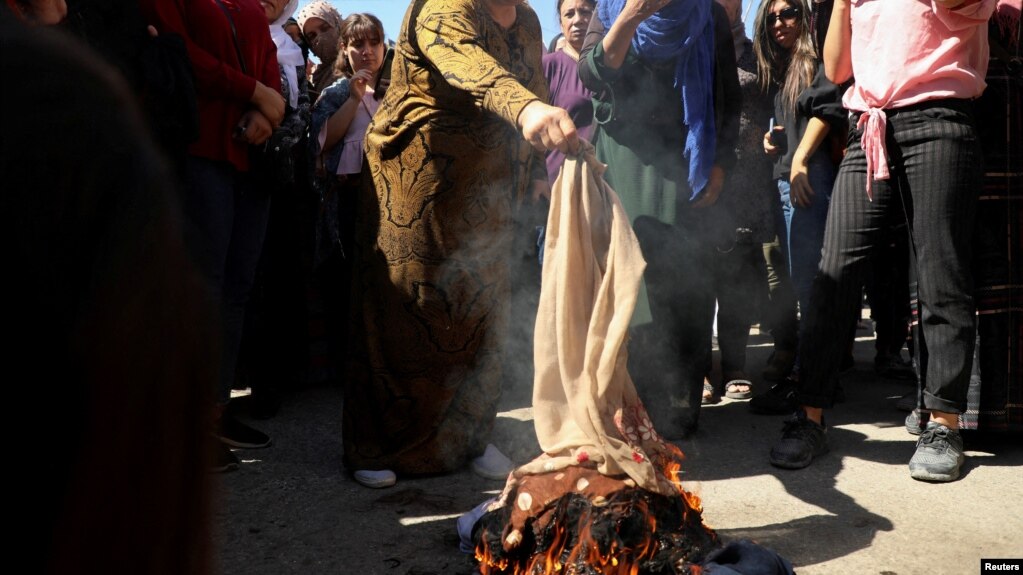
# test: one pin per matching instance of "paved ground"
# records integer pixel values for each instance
(290, 509)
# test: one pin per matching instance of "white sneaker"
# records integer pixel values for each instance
(376, 479)
(492, 464)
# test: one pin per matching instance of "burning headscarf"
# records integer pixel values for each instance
(586, 409)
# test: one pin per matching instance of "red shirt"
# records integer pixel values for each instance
(223, 89)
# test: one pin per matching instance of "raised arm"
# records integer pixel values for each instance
(837, 56)
(617, 40)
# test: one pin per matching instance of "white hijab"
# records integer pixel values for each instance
(289, 55)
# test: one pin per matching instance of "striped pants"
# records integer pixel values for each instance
(936, 176)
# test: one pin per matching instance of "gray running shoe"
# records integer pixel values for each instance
(913, 421)
(801, 441)
(939, 454)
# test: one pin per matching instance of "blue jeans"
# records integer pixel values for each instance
(803, 232)
(225, 224)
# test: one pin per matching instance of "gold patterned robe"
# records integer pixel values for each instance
(431, 291)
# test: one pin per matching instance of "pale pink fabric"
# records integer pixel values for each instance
(352, 154)
(905, 52)
(585, 406)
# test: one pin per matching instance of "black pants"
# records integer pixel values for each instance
(935, 164)
(669, 360)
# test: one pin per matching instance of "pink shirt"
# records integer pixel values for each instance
(909, 51)
(350, 161)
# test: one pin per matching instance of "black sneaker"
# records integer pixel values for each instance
(779, 400)
(801, 441)
(939, 454)
(237, 434)
(223, 459)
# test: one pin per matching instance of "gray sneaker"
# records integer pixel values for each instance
(939, 454)
(801, 441)
(913, 421)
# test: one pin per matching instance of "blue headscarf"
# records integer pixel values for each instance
(684, 31)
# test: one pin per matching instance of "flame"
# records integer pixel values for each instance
(672, 470)
(561, 555)
(617, 560)
(486, 560)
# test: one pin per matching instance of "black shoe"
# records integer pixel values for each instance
(223, 459)
(237, 434)
(778, 400)
(801, 441)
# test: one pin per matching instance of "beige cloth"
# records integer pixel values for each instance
(586, 410)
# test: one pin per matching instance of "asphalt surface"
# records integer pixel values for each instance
(291, 508)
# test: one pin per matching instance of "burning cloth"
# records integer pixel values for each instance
(603, 497)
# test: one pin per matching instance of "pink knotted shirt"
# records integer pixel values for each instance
(909, 51)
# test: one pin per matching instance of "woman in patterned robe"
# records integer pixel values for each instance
(433, 236)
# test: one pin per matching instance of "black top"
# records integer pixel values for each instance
(821, 99)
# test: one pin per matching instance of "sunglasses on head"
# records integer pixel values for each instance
(789, 14)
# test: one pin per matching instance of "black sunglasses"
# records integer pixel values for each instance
(788, 15)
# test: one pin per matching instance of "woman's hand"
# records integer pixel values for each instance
(548, 128)
(769, 148)
(253, 128)
(360, 80)
(712, 191)
(269, 102)
(642, 9)
(800, 192)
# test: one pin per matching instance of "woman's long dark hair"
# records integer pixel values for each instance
(792, 71)
(355, 27)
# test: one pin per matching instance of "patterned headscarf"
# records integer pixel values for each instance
(322, 10)
(684, 31)
(324, 74)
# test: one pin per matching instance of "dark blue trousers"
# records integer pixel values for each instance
(225, 224)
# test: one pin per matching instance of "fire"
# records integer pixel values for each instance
(672, 470)
(610, 532)
(616, 559)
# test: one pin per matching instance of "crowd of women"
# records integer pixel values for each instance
(195, 163)
(390, 183)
